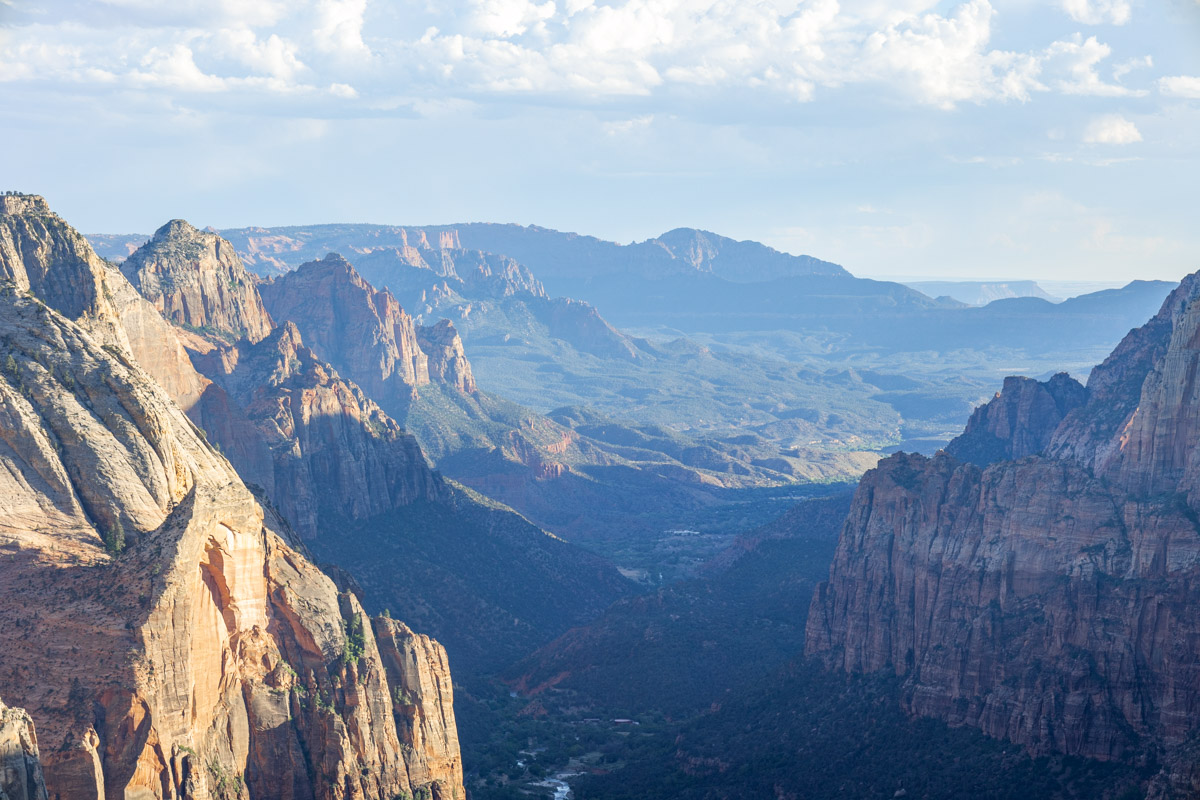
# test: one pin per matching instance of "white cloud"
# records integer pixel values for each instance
(562, 51)
(273, 56)
(1180, 85)
(174, 67)
(1098, 12)
(947, 58)
(339, 26)
(505, 18)
(1111, 129)
(1075, 60)
(1129, 65)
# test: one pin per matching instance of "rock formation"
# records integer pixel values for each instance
(1048, 600)
(422, 693)
(20, 766)
(158, 624)
(335, 453)
(363, 333)
(447, 361)
(1019, 421)
(197, 280)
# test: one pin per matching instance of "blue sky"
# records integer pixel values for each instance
(1052, 140)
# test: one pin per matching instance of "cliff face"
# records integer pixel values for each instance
(168, 641)
(363, 333)
(20, 767)
(1019, 421)
(447, 361)
(42, 254)
(194, 278)
(423, 699)
(328, 449)
(335, 452)
(1050, 600)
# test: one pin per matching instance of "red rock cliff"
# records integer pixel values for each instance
(1049, 600)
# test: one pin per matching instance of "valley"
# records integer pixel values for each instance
(627, 542)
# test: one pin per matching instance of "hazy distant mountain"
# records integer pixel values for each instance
(553, 255)
(980, 293)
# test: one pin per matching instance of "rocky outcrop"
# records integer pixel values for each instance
(363, 333)
(158, 624)
(42, 254)
(1048, 600)
(447, 361)
(335, 453)
(1019, 421)
(20, 765)
(194, 278)
(423, 700)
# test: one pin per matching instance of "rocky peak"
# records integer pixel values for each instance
(43, 255)
(1019, 421)
(447, 360)
(196, 653)
(23, 204)
(196, 279)
(362, 332)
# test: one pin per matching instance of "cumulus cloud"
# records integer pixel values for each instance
(1098, 12)
(576, 51)
(1111, 129)
(1180, 86)
(1076, 62)
(339, 27)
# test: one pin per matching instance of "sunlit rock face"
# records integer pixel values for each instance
(362, 332)
(1048, 596)
(159, 626)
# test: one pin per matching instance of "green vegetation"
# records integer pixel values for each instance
(355, 640)
(114, 538)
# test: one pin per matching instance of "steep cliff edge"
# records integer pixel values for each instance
(42, 254)
(363, 333)
(195, 278)
(165, 638)
(20, 765)
(335, 452)
(1048, 600)
(447, 360)
(1019, 421)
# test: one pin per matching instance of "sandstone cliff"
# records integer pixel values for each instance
(332, 452)
(363, 333)
(42, 254)
(20, 766)
(1019, 421)
(196, 279)
(1049, 600)
(422, 693)
(335, 453)
(163, 633)
(447, 360)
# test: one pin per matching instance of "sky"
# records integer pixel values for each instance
(984, 139)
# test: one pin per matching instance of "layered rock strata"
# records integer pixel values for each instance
(335, 453)
(196, 279)
(20, 765)
(1048, 600)
(159, 626)
(362, 332)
